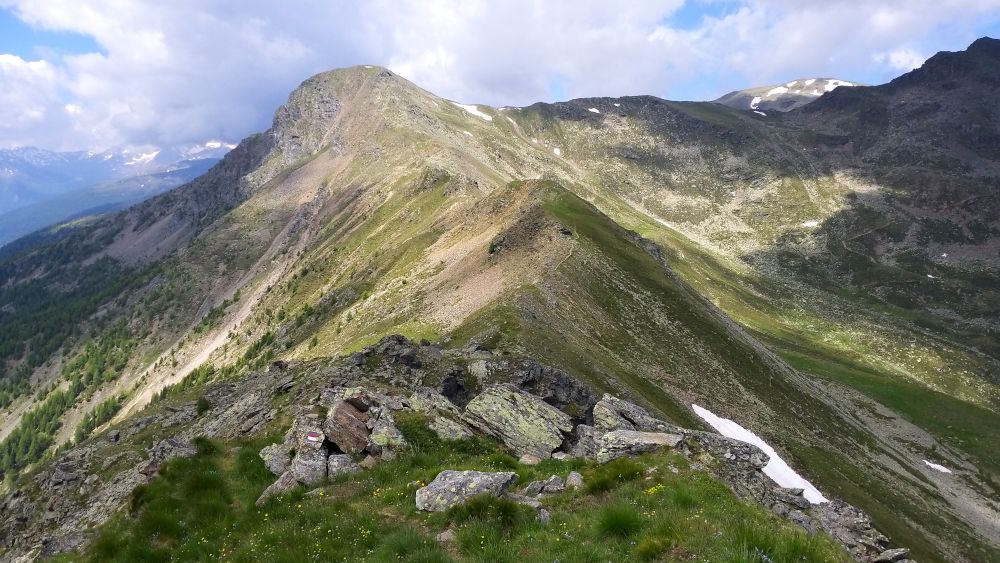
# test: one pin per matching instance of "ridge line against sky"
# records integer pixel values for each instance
(93, 74)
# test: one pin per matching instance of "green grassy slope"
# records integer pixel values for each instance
(654, 507)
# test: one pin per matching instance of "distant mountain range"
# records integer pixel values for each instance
(39, 187)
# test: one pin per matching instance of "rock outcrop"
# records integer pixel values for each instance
(454, 487)
(360, 420)
(619, 443)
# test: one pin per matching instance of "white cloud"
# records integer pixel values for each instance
(28, 96)
(902, 60)
(191, 70)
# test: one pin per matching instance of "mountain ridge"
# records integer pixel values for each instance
(373, 206)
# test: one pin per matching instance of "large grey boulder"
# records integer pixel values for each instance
(455, 487)
(347, 427)
(309, 464)
(523, 422)
(620, 443)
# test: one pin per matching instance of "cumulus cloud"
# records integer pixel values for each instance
(189, 70)
(901, 59)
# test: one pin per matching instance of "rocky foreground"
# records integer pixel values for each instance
(340, 418)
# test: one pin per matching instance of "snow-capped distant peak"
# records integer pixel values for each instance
(142, 158)
(783, 97)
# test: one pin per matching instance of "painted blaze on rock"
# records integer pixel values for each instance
(455, 487)
(523, 422)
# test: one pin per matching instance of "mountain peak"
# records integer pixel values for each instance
(980, 62)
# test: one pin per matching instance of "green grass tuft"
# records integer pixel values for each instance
(603, 478)
(619, 520)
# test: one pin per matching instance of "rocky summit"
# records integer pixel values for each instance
(397, 327)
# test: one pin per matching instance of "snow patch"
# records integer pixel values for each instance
(593, 110)
(810, 224)
(471, 108)
(831, 84)
(775, 91)
(810, 81)
(760, 113)
(792, 83)
(142, 158)
(617, 105)
(369, 66)
(755, 102)
(776, 468)
(937, 467)
(931, 277)
(511, 121)
(557, 151)
(467, 133)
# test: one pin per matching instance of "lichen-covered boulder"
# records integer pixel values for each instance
(607, 419)
(277, 457)
(346, 427)
(384, 433)
(523, 422)
(619, 443)
(429, 401)
(338, 464)
(455, 487)
(360, 398)
(448, 429)
(612, 413)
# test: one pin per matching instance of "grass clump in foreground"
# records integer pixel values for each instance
(649, 508)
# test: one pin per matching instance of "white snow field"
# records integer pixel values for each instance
(776, 469)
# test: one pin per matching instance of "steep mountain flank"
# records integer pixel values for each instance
(785, 272)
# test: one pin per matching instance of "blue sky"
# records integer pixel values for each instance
(28, 42)
(91, 74)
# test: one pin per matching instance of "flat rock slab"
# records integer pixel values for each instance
(285, 483)
(523, 422)
(620, 443)
(448, 429)
(450, 488)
